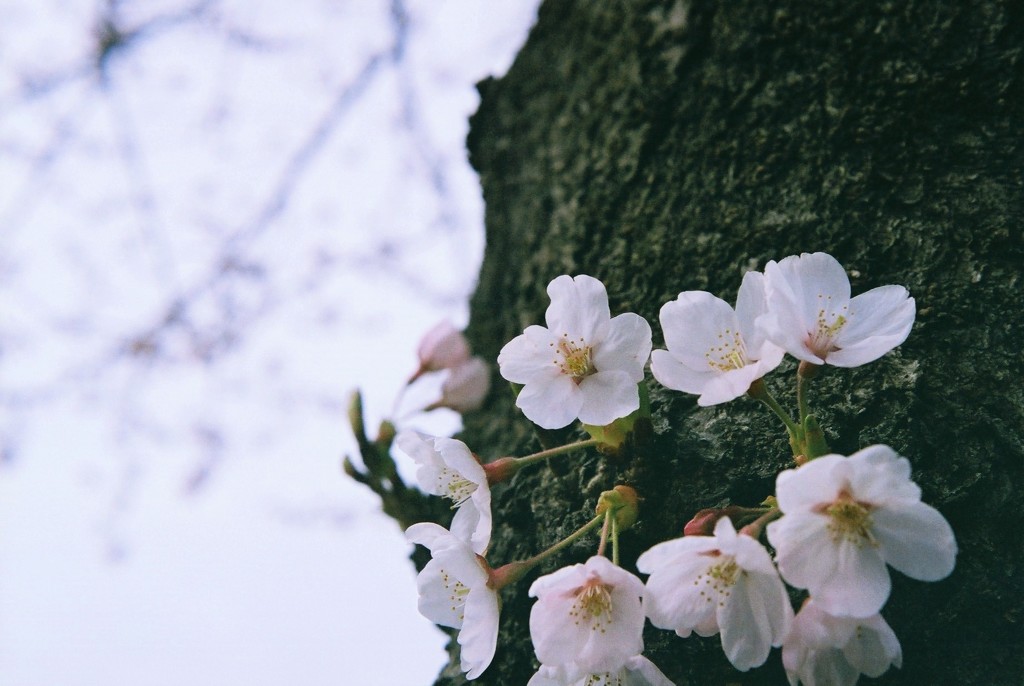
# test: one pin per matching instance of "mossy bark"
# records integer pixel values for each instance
(671, 145)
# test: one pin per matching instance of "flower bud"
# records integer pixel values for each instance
(466, 386)
(443, 347)
(703, 523)
(623, 502)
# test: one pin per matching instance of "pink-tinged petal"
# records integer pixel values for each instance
(746, 628)
(916, 540)
(784, 323)
(752, 556)
(695, 326)
(805, 488)
(879, 320)
(674, 596)
(706, 627)
(442, 347)
(479, 634)
(435, 603)
(751, 303)
(671, 373)
(625, 347)
(467, 386)
(728, 385)
(607, 396)
(800, 292)
(642, 672)
(464, 525)
(670, 553)
(429, 463)
(551, 403)
(880, 477)
(429, 535)
(873, 647)
(823, 282)
(549, 676)
(805, 552)
(530, 356)
(859, 583)
(579, 307)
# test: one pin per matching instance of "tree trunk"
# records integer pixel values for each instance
(664, 146)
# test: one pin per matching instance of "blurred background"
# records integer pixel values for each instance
(217, 219)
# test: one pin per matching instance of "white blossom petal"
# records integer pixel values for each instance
(879, 320)
(529, 356)
(671, 373)
(579, 307)
(551, 403)
(729, 385)
(448, 468)
(454, 592)
(809, 486)
(917, 540)
(561, 367)
(626, 347)
(587, 615)
(822, 649)
(607, 396)
(873, 647)
(707, 351)
(751, 304)
(724, 582)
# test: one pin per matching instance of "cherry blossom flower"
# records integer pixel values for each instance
(448, 468)
(823, 650)
(454, 592)
(844, 518)
(587, 617)
(585, 364)
(637, 671)
(466, 387)
(811, 315)
(723, 583)
(713, 350)
(443, 347)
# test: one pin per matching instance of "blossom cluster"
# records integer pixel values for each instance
(835, 523)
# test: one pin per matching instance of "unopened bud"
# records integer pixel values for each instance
(385, 435)
(623, 503)
(466, 387)
(502, 469)
(442, 347)
(703, 523)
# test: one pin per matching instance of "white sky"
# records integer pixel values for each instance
(247, 210)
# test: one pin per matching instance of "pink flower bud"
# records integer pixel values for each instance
(442, 347)
(466, 386)
(703, 523)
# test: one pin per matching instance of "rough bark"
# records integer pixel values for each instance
(663, 146)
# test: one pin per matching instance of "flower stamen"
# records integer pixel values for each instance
(731, 353)
(593, 605)
(575, 358)
(455, 486)
(851, 521)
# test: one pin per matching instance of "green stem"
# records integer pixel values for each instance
(615, 541)
(759, 391)
(505, 468)
(527, 460)
(608, 518)
(514, 571)
(804, 373)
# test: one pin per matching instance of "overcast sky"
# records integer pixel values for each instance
(217, 218)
